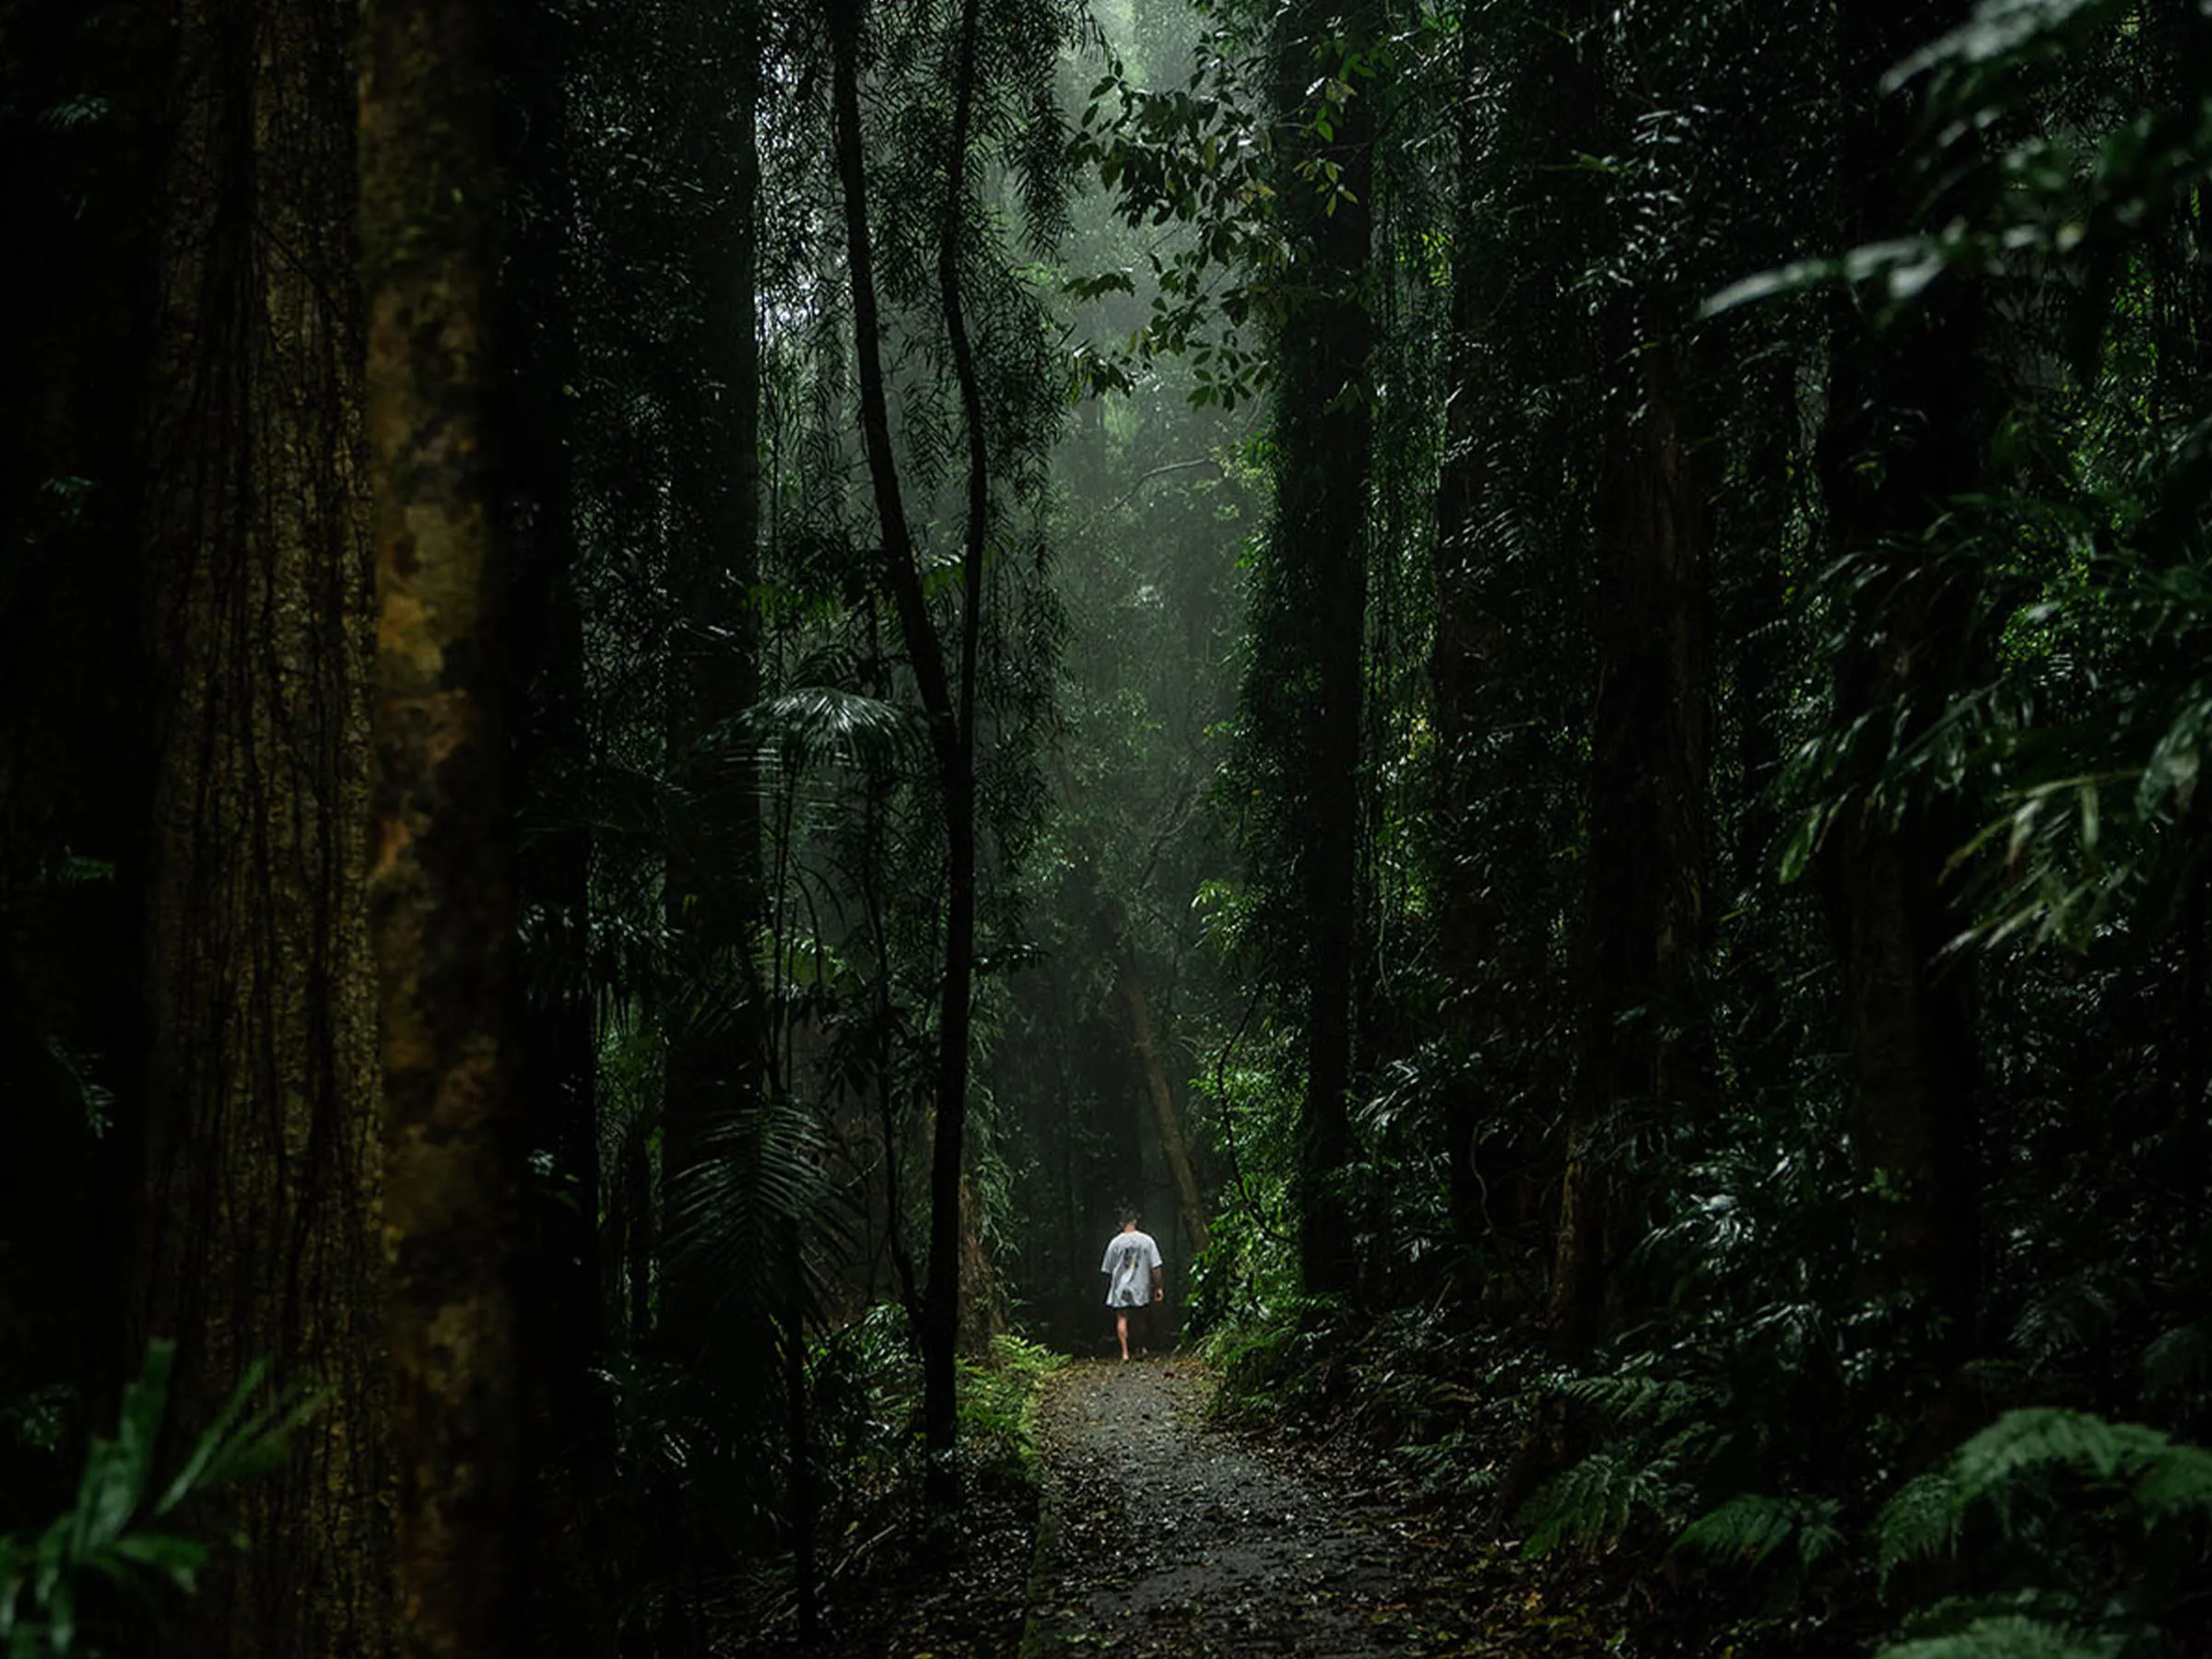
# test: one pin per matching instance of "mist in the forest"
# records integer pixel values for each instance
(692, 690)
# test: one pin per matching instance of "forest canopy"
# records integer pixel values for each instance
(688, 687)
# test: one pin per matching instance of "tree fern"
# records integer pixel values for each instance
(815, 725)
(2176, 1480)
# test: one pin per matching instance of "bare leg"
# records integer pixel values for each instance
(1120, 1329)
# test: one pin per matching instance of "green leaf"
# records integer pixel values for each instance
(1999, 29)
(178, 1561)
(129, 1463)
(15, 1570)
(209, 1445)
(1791, 278)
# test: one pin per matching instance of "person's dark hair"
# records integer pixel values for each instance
(1128, 1215)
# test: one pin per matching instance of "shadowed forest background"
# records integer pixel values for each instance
(683, 683)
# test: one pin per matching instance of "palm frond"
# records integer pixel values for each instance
(742, 1212)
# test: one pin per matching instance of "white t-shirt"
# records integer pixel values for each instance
(1130, 1258)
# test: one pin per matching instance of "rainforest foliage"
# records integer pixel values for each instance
(684, 683)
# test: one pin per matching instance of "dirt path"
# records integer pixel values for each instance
(1163, 1535)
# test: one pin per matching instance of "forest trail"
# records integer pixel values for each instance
(1161, 1533)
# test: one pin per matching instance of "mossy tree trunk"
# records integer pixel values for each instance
(440, 882)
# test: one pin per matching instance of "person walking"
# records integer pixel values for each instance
(1133, 1279)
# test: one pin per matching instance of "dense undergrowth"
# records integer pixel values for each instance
(2048, 1531)
(894, 1577)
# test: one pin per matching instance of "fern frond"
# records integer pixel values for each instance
(1921, 1520)
(2009, 1637)
(1637, 1401)
(2177, 1479)
(2166, 1476)
(1752, 1527)
(1594, 1501)
(2070, 1314)
(2037, 1438)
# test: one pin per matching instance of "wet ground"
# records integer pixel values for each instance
(1157, 1532)
(1162, 1534)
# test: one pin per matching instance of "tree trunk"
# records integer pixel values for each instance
(1488, 695)
(639, 1250)
(1167, 1117)
(552, 738)
(1644, 916)
(951, 725)
(1469, 672)
(1315, 612)
(718, 1056)
(1762, 675)
(440, 881)
(1910, 410)
(800, 1502)
(2181, 284)
(262, 1172)
(571, 1430)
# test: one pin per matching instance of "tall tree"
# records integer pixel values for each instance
(948, 703)
(548, 742)
(1309, 612)
(261, 1164)
(440, 880)
(1911, 411)
(1645, 912)
(1644, 919)
(1504, 610)
(714, 889)
(1167, 1116)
